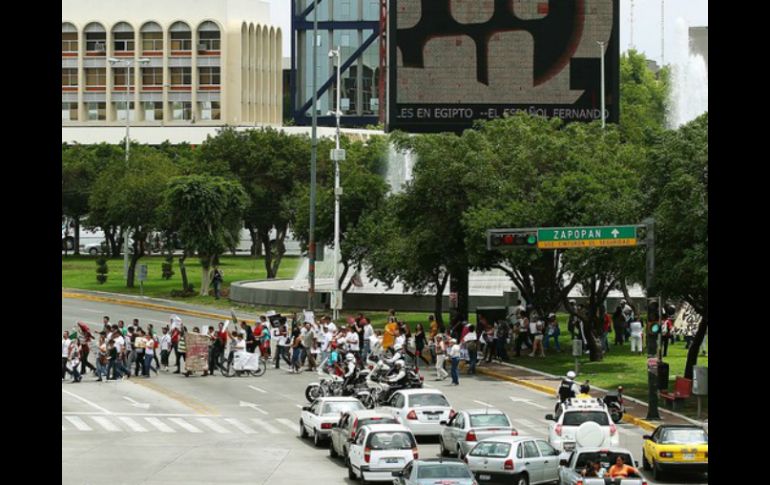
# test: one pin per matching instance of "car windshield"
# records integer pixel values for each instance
(606, 459)
(488, 420)
(417, 400)
(443, 470)
(683, 436)
(391, 440)
(341, 407)
(576, 418)
(491, 449)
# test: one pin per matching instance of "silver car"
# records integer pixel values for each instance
(468, 427)
(520, 460)
(434, 471)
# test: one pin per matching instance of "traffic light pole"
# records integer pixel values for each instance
(652, 372)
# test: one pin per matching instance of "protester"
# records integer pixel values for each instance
(65, 353)
(419, 344)
(165, 349)
(181, 348)
(73, 359)
(454, 354)
(471, 343)
(296, 346)
(636, 336)
(216, 281)
(619, 323)
(536, 332)
(101, 357)
(489, 344)
(552, 332)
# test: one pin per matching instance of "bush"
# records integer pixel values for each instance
(101, 269)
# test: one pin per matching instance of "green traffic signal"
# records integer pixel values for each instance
(531, 239)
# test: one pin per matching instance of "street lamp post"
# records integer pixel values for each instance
(337, 155)
(601, 58)
(313, 156)
(114, 61)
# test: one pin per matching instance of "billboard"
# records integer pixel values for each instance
(455, 61)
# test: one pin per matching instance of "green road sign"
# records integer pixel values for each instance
(586, 237)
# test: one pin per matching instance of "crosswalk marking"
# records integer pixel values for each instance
(288, 423)
(160, 425)
(184, 424)
(266, 426)
(258, 389)
(79, 423)
(212, 425)
(132, 424)
(106, 423)
(240, 426)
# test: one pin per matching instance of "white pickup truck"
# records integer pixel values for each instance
(572, 465)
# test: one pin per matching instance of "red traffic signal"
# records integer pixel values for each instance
(514, 240)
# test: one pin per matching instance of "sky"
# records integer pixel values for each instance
(647, 21)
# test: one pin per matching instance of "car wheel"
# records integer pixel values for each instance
(444, 451)
(459, 453)
(332, 450)
(351, 474)
(522, 480)
(302, 430)
(93, 251)
(657, 475)
(316, 439)
(645, 463)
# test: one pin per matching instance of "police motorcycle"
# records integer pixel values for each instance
(614, 403)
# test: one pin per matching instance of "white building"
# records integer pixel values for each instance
(202, 62)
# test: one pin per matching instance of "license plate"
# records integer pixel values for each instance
(485, 477)
(688, 456)
(569, 446)
(432, 418)
(391, 460)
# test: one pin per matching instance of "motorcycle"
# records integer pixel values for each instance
(245, 363)
(326, 386)
(614, 403)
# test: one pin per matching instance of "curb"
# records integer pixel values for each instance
(550, 391)
(145, 305)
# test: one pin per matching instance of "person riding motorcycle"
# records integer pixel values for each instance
(396, 380)
(396, 356)
(351, 371)
(568, 387)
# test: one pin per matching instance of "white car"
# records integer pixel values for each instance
(317, 419)
(518, 460)
(379, 450)
(344, 431)
(598, 430)
(420, 410)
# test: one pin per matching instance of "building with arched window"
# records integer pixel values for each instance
(170, 63)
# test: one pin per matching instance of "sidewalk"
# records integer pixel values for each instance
(636, 410)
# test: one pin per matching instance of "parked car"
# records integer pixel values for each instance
(562, 431)
(344, 431)
(466, 428)
(435, 471)
(379, 450)
(519, 460)
(421, 410)
(317, 419)
(683, 448)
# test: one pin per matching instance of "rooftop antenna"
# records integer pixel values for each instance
(631, 41)
(662, 32)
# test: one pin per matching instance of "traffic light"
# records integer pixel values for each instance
(513, 240)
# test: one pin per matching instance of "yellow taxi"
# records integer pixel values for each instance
(676, 448)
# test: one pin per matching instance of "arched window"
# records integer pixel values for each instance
(69, 38)
(181, 37)
(122, 38)
(152, 37)
(96, 39)
(209, 37)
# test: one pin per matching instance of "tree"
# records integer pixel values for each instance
(268, 164)
(129, 197)
(643, 98)
(208, 213)
(675, 183)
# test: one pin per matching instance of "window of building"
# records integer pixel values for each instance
(120, 77)
(153, 110)
(210, 110)
(181, 76)
(181, 111)
(69, 111)
(152, 41)
(69, 42)
(120, 111)
(69, 77)
(123, 41)
(96, 42)
(96, 76)
(181, 37)
(96, 111)
(208, 76)
(209, 40)
(152, 76)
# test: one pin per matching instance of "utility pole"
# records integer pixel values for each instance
(313, 158)
(601, 58)
(652, 371)
(337, 156)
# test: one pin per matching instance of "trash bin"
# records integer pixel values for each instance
(662, 376)
(700, 383)
(577, 348)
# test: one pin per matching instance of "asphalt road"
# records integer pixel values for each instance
(202, 430)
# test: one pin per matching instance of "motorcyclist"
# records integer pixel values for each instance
(396, 380)
(351, 371)
(568, 387)
(396, 356)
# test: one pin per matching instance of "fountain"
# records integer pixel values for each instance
(689, 93)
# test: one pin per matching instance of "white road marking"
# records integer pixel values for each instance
(176, 415)
(484, 404)
(253, 406)
(299, 406)
(106, 423)
(136, 404)
(288, 423)
(212, 425)
(133, 424)
(267, 426)
(160, 425)
(79, 423)
(240, 426)
(258, 389)
(184, 424)
(87, 402)
(527, 401)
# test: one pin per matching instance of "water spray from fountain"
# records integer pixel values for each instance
(689, 92)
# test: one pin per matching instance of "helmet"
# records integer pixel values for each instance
(350, 358)
(398, 347)
(400, 364)
(571, 375)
